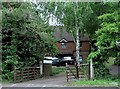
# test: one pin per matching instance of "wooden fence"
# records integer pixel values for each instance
(27, 73)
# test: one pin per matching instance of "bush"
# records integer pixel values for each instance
(101, 72)
(9, 76)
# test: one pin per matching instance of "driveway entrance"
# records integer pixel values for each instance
(53, 81)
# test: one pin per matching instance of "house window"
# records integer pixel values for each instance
(63, 45)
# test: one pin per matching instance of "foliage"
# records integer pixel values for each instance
(106, 37)
(108, 34)
(93, 55)
(25, 37)
(110, 62)
(99, 20)
(71, 14)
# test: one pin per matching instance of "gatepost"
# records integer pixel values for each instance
(47, 67)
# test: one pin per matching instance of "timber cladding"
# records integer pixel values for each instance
(70, 48)
(67, 47)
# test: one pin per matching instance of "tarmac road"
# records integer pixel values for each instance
(60, 88)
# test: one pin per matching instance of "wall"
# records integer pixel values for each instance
(70, 48)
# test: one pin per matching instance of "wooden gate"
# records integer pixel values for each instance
(26, 73)
(70, 72)
(83, 72)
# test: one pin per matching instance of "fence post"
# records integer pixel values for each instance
(14, 74)
(41, 68)
(22, 74)
(67, 71)
(77, 71)
(91, 70)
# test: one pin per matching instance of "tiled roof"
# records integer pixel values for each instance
(62, 34)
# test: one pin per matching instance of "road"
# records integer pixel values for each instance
(62, 88)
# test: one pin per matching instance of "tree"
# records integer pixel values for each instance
(72, 15)
(24, 36)
(106, 37)
(110, 32)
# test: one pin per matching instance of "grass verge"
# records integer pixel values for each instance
(99, 83)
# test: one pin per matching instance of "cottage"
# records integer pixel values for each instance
(66, 45)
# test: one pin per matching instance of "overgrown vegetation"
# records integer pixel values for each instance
(106, 37)
(25, 37)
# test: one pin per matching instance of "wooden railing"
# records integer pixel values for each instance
(27, 73)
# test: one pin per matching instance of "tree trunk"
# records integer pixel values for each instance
(77, 40)
(77, 46)
(77, 34)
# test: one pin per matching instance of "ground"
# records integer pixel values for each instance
(54, 81)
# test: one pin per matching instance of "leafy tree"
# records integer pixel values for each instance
(106, 37)
(24, 37)
(73, 15)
